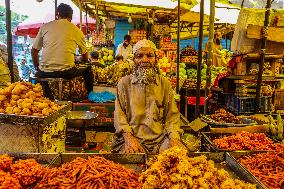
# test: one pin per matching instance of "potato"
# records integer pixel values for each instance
(3, 97)
(26, 111)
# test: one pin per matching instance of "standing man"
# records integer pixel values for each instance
(25, 70)
(216, 47)
(146, 117)
(124, 49)
(59, 40)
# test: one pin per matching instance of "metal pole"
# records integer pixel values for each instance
(87, 20)
(178, 44)
(199, 58)
(55, 6)
(81, 19)
(209, 53)
(97, 19)
(152, 26)
(262, 55)
(242, 4)
(9, 39)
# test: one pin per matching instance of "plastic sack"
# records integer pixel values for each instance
(101, 96)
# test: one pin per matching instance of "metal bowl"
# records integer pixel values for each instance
(80, 118)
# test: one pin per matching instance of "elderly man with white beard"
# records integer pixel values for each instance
(146, 117)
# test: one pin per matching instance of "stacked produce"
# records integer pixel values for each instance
(223, 116)
(8, 181)
(267, 167)
(225, 56)
(182, 71)
(24, 98)
(164, 65)
(189, 55)
(137, 35)
(27, 171)
(247, 141)
(192, 74)
(21, 174)
(96, 172)
(276, 127)
(188, 51)
(106, 56)
(5, 162)
(173, 169)
(168, 46)
(112, 73)
(267, 90)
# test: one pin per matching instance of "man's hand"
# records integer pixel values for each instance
(131, 144)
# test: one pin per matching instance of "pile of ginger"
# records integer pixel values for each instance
(24, 98)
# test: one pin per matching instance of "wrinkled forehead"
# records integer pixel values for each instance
(144, 50)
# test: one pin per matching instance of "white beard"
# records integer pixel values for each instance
(145, 75)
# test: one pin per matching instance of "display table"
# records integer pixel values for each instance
(33, 134)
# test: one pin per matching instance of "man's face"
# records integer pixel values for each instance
(219, 35)
(126, 43)
(145, 68)
(145, 57)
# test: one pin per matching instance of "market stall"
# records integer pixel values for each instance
(116, 171)
(224, 158)
(35, 122)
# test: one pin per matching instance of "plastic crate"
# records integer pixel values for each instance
(219, 97)
(278, 99)
(246, 105)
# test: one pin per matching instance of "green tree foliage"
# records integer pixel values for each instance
(15, 20)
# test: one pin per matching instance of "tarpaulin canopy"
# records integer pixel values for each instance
(225, 16)
(31, 26)
(164, 10)
(224, 13)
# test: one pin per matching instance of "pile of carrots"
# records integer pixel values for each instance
(91, 173)
(247, 141)
(267, 167)
(96, 172)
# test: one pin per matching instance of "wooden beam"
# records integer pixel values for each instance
(127, 5)
(255, 32)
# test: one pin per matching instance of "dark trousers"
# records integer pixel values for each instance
(82, 70)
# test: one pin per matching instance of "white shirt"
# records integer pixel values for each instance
(122, 51)
(59, 39)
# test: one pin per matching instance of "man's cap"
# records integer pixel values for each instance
(144, 43)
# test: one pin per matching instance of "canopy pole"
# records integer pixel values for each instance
(9, 39)
(55, 7)
(262, 55)
(199, 58)
(87, 29)
(178, 44)
(97, 19)
(209, 54)
(152, 26)
(81, 15)
(242, 5)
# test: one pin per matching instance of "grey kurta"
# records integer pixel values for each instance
(149, 112)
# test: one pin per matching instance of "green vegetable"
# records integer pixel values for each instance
(273, 127)
(279, 127)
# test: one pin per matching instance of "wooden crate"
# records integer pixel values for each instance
(240, 68)
(278, 99)
(276, 67)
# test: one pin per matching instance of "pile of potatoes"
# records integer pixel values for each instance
(24, 98)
